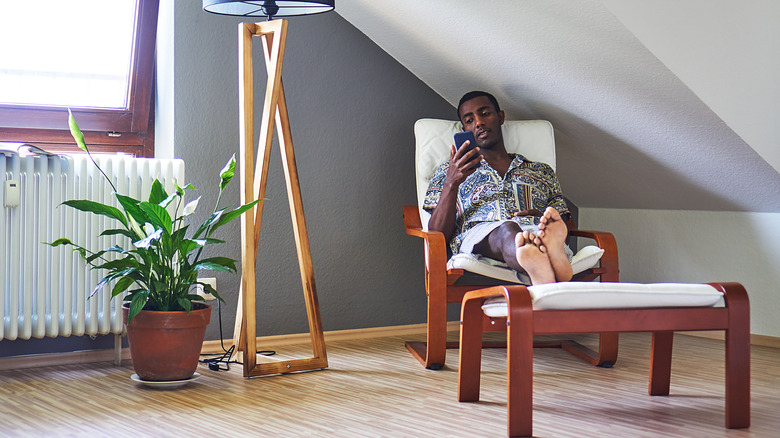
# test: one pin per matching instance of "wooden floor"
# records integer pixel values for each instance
(373, 388)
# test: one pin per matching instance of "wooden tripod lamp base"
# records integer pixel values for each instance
(253, 181)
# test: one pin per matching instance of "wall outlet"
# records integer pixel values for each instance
(202, 292)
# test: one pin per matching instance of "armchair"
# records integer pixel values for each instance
(533, 139)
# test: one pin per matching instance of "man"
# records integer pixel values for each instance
(489, 202)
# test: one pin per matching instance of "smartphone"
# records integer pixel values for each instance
(461, 137)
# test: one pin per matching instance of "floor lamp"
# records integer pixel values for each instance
(253, 178)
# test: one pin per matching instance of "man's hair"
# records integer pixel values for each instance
(474, 94)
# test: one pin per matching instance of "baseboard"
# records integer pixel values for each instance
(759, 340)
(53, 359)
(211, 347)
(215, 346)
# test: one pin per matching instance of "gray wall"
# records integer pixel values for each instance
(352, 108)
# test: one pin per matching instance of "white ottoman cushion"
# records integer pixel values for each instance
(596, 295)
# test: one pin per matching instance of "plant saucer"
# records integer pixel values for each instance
(165, 384)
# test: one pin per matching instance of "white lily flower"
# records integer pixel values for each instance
(190, 207)
(148, 229)
(146, 242)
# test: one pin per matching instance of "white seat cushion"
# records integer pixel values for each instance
(593, 295)
(487, 267)
(585, 258)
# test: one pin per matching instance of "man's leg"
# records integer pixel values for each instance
(551, 240)
(516, 248)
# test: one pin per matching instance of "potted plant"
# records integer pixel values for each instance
(165, 320)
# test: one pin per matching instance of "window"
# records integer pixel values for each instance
(93, 56)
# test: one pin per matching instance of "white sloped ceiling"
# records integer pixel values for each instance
(630, 132)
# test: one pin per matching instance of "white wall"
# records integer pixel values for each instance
(725, 51)
(699, 247)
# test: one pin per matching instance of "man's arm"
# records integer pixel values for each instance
(461, 165)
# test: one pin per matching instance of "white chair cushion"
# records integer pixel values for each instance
(585, 258)
(533, 139)
(487, 267)
(593, 295)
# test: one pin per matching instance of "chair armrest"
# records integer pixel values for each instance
(412, 222)
(435, 244)
(605, 241)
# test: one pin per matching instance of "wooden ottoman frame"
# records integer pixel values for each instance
(522, 322)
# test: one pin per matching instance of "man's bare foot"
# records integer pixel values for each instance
(552, 240)
(533, 260)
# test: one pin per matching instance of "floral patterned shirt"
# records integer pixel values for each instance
(486, 197)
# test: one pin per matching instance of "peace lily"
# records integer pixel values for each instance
(160, 267)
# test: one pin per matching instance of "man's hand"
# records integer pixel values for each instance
(531, 212)
(462, 164)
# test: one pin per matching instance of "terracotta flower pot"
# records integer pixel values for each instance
(165, 346)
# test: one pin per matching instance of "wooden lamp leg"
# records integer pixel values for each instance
(253, 180)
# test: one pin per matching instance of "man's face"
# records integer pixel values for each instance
(480, 116)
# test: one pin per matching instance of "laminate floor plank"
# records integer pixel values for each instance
(374, 388)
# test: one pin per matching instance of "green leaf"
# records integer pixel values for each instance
(100, 285)
(157, 194)
(180, 190)
(185, 303)
(97, 208)
(116, 248)
(180, 235)
(75, 131)
(119, 231)
(187, 246)
(230, 215)
(210, 221)
(158, 216)
(60, 241)
(123, 263)
(94, 256)
(109, 278)
(227, 172)
(131, 207)
(137, 304)
(81, 250)
(206, 266)
(224, 264)
(121, 285)
(211, 290)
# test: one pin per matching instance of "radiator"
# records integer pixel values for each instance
(45, 291)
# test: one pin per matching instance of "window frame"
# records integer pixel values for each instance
(128, 130)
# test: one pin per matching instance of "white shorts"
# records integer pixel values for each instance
(479, 232)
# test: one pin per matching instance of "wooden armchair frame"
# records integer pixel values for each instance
(523, 322)
(441, 289)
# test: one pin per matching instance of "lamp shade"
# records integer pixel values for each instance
(268, 8)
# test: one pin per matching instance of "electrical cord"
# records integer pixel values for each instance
(216, 363)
